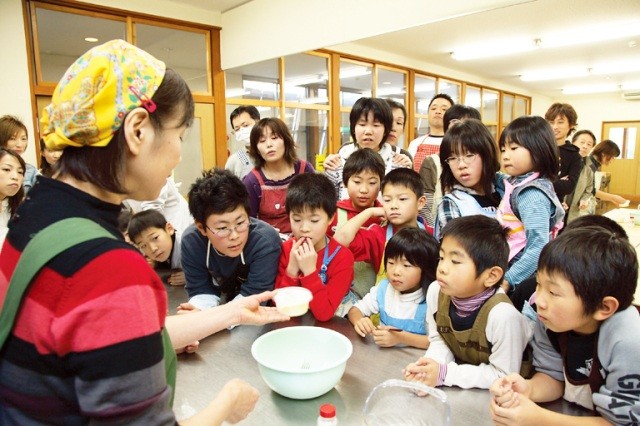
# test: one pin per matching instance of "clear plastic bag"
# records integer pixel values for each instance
(396, 402)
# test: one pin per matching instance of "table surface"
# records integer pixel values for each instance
(227, 355)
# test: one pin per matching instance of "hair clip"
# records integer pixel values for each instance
(147, 103)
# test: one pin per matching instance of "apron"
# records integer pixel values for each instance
(44, 246)
(272, 208)
(417, 324)
(382, 270)
(423, 151)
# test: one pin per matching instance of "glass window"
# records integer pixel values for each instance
(309, 130)
(356, 81)
(190, 166)
(392, 85)
(167, 44)
(625, 138)
(489, 106)
(507, 108)
(254, 81)
(522, 107)
(424, 89)
(232, 144)
(305, 79)
(59, 49)
(473, 97)
(449, 87)
(345, 126)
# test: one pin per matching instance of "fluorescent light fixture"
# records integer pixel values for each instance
(91, 39)
(554, 74)
(616, 67)
(354, 72)
(235, 93)
(306, 79)
(631, 85)
(491, 49)
(315, 100)
(591, 88)
(386, 91)
(262, 86)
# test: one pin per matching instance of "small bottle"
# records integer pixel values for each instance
(327, 415)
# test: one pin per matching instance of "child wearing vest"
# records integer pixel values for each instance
(587, 336)
(273, 151)
(476, 335)
(469, 166)
(411, 257)
(530, 209)
(312, 259)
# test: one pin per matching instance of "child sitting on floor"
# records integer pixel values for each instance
(476, 335)
(410, 259)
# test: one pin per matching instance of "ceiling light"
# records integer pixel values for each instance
(91, 39)
(354, 72)
(631, 85)
(554, 74)
(489, 49)
(592, 88)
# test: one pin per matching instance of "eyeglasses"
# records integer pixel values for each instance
(225, 232)
(466, 159)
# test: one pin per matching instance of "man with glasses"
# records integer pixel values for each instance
(242, 121)
(226, 254)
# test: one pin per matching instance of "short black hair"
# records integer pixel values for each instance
(249, 109)
(408, 178)
(579, 133)
(362, 160)
(597, 220)
(419, 248)
(597, 262)
(124, 217)
(442, 96)
(311, 191)
(218, 191)
(484, 240)
(379, 108)
(469, 137)
(535, 135)
(459, 112)
(144, 220)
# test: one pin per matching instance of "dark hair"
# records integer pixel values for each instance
(144, 220)
(381, 112)
(597, 263)
(459, 112)
(583, 132)
(419, 248)
(311, 191)
(534, 134)
(218, 191)
(566, 110)
(472, 137)
(46, 169)
(280, 129)
(9, 126)
(484, 240)
(597, 220)
(15, 200)
(105, 166)
(408, 178)
(397, 105)
(363, 160)
(124, 217)
(442, 96)
(249, 109)
(605, 148)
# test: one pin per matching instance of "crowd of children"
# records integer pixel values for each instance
(355, 237)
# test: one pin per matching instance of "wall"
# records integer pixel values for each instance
(593, 110)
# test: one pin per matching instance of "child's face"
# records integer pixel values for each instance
(156, 243)
(401, 205)
(467, 170)
(585, 143)
(311, 224)
(397, 130)
(363, 189)
(227, 232)
(456, 273)
(516, 159)
(18, 142)
(559, 307)
(270, 146)
(369, 132)
(11, 176)
(402, 275)
(561, 128)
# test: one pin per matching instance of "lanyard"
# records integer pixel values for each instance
(326, 260)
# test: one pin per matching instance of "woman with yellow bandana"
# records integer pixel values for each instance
(83, 336)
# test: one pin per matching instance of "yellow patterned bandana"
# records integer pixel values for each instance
(94, 95)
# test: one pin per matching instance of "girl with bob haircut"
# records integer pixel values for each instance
(529, 209)
(14, 136)
(273, 150)
(469, 160)
(92, 337)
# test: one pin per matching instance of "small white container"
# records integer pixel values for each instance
(292, 301)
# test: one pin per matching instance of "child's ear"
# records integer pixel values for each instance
(201, 228)
(421, 202)
(607, 307)
(492, 276)
(169, 228)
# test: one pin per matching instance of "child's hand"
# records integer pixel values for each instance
(523, 412)
(177, 278)
(190, 348)
(364, 326)
(242, 398)
(293, 270)
(424, 370)
(401, 160)
(332, 162)
(186, 308)
(565, 206)
(377, 212)
(305, 255)
(385, 336)
(503, 390)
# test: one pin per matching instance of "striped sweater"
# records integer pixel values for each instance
(86, 345)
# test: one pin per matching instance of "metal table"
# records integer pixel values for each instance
(227, 355)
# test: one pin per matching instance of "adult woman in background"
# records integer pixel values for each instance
(88, 337)
(602, 155)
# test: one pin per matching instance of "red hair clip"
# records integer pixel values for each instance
(147, 103)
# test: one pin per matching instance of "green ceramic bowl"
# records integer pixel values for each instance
(301, 362)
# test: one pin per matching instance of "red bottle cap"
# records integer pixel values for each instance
(327, 411)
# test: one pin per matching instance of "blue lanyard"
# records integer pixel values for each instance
(326, 260)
